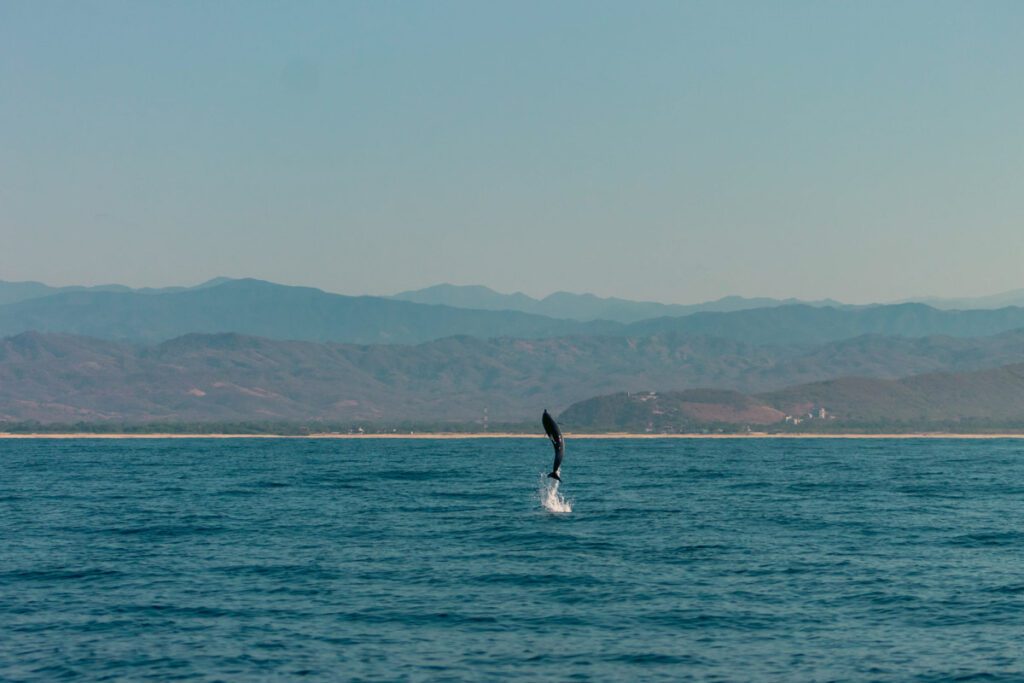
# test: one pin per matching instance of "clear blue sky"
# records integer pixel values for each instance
(676, 151)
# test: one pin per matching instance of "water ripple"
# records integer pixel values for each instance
(372, 560)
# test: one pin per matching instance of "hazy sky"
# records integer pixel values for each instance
(676, 151)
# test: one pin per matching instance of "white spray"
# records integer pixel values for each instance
(550, 498)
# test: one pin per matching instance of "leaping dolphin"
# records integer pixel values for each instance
(556, 440)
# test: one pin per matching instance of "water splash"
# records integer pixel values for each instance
(550, 498)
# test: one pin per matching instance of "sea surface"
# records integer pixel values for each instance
(384, 560)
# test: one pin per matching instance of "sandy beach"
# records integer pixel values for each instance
(508, 435)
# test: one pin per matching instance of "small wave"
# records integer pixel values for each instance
(550, 498)
(61, 574)
(656, 658)
(984, 539)
(167, 530)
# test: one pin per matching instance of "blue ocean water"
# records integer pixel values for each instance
(435, 560)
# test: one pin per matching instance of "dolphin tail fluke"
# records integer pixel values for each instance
(554, 475)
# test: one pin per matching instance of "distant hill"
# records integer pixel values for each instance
(209, 377)
(12, 292)
(994, 395)
(470, 296)
(269, 310)
(802, 324)
(1012, 298)
(583, 307)
(980, 399)
(590, 307)
(668, 412)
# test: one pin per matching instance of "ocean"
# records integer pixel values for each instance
(452, 560)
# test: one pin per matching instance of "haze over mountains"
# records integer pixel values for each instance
(265, 309)
(1012, 298)
(254, 350)
(590, 307)
(11, 292)
(583, 307)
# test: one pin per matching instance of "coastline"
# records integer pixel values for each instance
(512, 435)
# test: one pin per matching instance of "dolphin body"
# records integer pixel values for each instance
(556, 440)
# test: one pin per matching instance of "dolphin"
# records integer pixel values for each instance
(556, 440)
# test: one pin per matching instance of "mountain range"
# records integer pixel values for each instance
(1012, 298)
(590, 307)
(200, 377)
(235, 350)
(265, 309)
(584, 307)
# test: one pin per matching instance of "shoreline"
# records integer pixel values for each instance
(513, 435)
